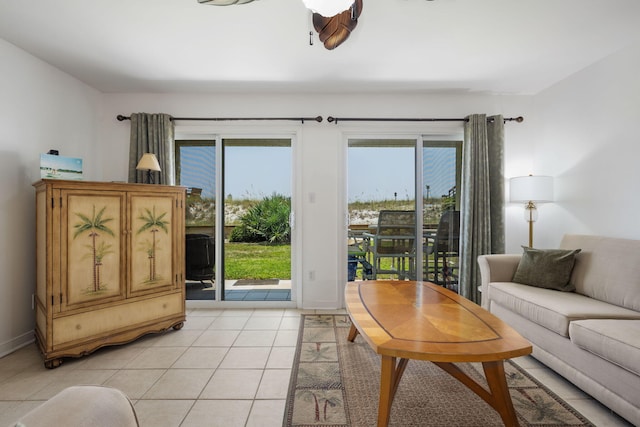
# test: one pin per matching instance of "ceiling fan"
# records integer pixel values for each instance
(334, 20)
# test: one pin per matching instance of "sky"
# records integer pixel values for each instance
(387, 173)
(250, 172)
(375, 173)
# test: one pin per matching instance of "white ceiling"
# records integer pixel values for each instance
(452, 46)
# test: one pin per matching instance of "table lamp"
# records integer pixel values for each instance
(531, 190)
(149, 162)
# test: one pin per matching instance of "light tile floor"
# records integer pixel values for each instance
(225, 368)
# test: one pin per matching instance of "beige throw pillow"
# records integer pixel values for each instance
(546, 268)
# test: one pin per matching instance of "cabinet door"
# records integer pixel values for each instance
(152, 242)
(92, 248)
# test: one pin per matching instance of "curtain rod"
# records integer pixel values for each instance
(335, 120)
(330, 119)
(318, 119)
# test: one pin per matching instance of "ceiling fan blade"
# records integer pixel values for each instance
(335, 30)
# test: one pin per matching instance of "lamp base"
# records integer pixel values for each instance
(531, 214)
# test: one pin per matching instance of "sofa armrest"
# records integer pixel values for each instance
(496, 268)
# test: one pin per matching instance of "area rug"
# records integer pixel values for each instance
(256, 282)
(336, 383)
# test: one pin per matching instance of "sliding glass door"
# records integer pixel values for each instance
(257, 212)
(238, 243)
(196, 169)
(381, 208)
(390, 236)
(441, 171)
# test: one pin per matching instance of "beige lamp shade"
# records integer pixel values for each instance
(149, 162)
(524, 189)
(328, 8)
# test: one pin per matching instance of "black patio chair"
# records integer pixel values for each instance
(200, 257)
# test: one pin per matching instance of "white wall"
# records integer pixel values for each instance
(40, 108)
(586, 138)
(322, 147)
(581, 131)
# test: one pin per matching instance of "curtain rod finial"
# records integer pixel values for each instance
(120, 117)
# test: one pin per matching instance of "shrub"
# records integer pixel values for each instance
(200, 211)
(267, 221)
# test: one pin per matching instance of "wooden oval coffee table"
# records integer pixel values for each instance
(404, 320)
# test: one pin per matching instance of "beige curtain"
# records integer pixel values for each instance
(482, 205)
(152, 133)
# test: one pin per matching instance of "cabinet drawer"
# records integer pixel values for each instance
(106, 321)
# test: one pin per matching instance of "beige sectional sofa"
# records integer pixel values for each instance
(591, 335)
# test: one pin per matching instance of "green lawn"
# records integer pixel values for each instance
(257, 261)
(260, 261)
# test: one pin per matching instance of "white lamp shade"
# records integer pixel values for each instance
(148, 161)
(328, 8)
(531, 189)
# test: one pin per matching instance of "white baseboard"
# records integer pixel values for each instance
(16, 343)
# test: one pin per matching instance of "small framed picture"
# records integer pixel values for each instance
(60, 167)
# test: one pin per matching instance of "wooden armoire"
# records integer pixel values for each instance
(110, 264)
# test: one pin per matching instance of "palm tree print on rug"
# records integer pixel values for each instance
(336, 383)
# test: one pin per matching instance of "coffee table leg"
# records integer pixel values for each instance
(494, 372)
(390, 375)
(386, 387)
(498, 395)
(353, 333)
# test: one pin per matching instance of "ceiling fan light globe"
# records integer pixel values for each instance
(327, 8)
(224, 2)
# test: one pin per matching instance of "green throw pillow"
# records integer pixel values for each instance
(546, 268)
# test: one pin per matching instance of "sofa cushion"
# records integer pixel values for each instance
(617, 341)
(607, 268)
(552, 309)
(546, 268)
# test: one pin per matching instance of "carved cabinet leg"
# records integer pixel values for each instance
(53, 363)
(178, 326)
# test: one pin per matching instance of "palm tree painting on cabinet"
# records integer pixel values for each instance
(153, 223)
(95, 226)
(94, 247)
(152, 243)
